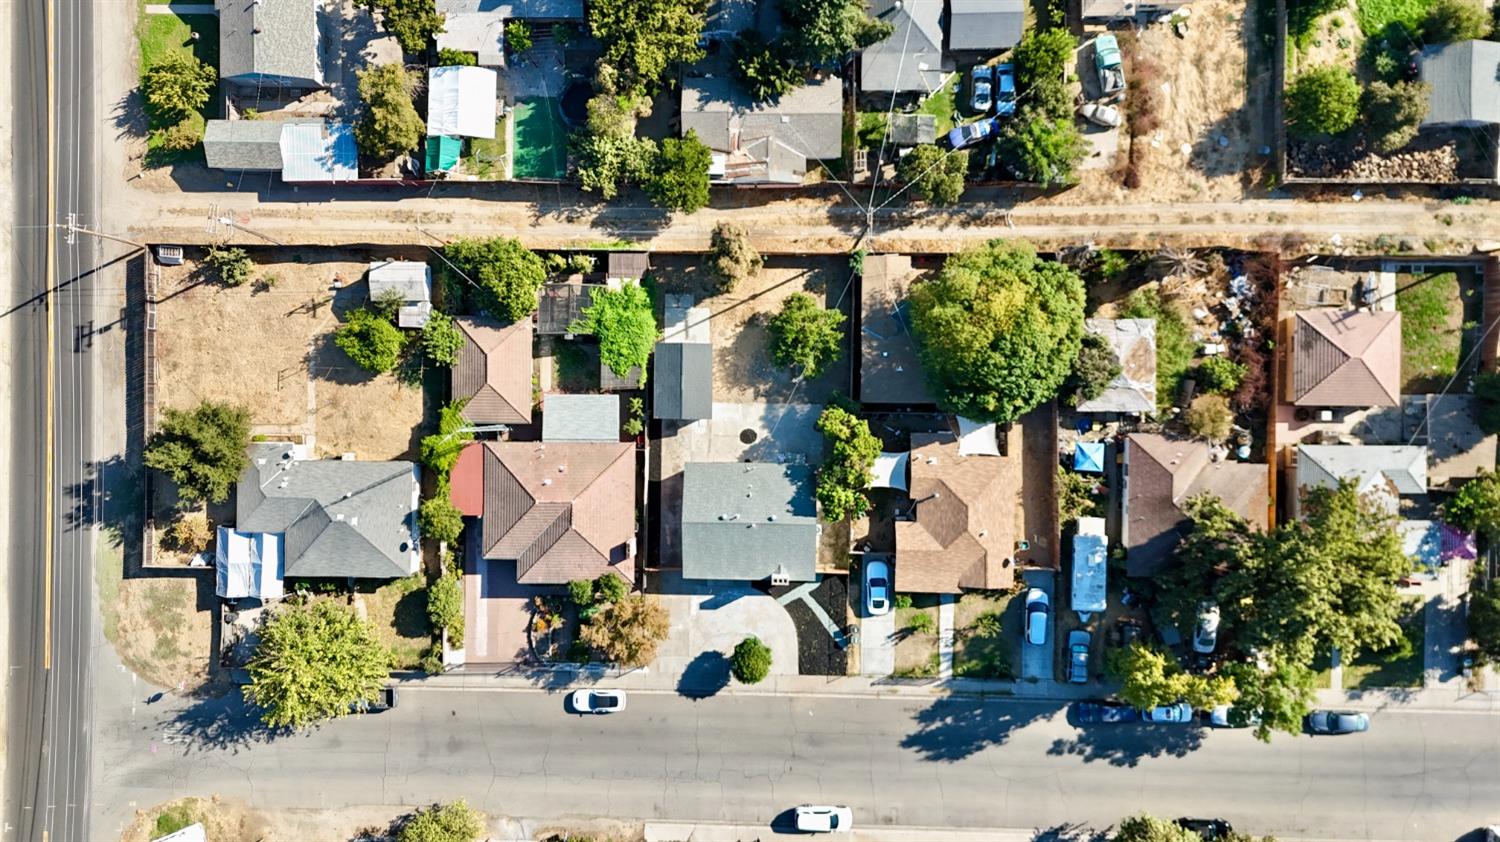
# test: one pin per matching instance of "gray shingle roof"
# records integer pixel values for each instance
(684, 381)
(338, 517)
(273, 42)
(912, 58)
(1465, 80)
(746, 520)
(580, 417)
(990, 25)
(776, 139)
(242, 145)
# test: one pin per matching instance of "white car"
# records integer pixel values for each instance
(1038, 616)
(877, 588)
(598, 701)
(824, 819)
(1206, 635)
(1099, 114)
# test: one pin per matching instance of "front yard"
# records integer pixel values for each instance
(161, 35)
(986, 636)
(1399, 666)
(397, 611)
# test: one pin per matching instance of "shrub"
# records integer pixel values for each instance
(1448, 21)
(733, 258)
(1093, 370)
(611, 588)
(202, 450)
(441, 339)
(440, 450)
(1324, 100)
(625, 322)
(517, 37)
(805, 336)
(181, 136)
(678, 179)
(189, 533)
(1112, 265)
(390, 125)
(1219, 375)
(413, 22)
(935, 176)
(635, 424)
(1476, 506)
(370, 340)
(1484, 619)
(1042, 60)
(903, 600)
(581, 592)
(845, 473)
(438, 518)
(751, 661)
(230, 264)
(628, 632)
(1209, 417)
(448, 57)
(445, 606)
(1075, 496)
(455, 822)
(921, 623)
(1042, 150)
(1393, 113)
(582, 263)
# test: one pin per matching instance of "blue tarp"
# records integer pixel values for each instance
(1088, 456)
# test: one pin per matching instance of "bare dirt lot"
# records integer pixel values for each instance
(158, 630)
(268, 345)
(743, 371)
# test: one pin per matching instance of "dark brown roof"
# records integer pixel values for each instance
(1346, 358)
(493, 371)
(889, 371)
(627, 264)
(561, 511)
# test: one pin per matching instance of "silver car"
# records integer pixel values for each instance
(877, 588)
(1038, 616)
(1078, 657)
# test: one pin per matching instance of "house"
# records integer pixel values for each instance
(1344, 358)
(1457, 449)
(461, 102)
(1134, 343)
(410, 279)
(493, 371)
(964, 529)
(621, 267)
(1114, 10)
(1384, 472)
(1161, 476)
(749, 522)
(270, 44)
(761, 142)
(890, 372)
(562, 304)
(302, 151)
(319, 518)
(1463, 85)
(478, 26)
(910, 61)
(568, 418)
(985, 26)
(683, 382)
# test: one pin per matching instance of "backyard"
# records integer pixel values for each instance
(162, 33)
(485, 158)
(541, 139)
(1436, 310)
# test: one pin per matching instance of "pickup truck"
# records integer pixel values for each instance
(1107, 63)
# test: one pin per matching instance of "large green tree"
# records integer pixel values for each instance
(625, 322)
(643, 39)
(508, 274)
(606, 149)
(1150, 677)
(805, 336)
(389, 124)
(177, 85)
(1042, 61)
(1042, 150)
(762, 70)
(370, 340)
(846, 471)
(1484, 619)
(679, 176)
(1455, 20)
(1476, 506)
(1277, 695)
(314, 661)
(935, 176)
(203, 450)
(1324, 100)
(822, 31)
(413, 22)
(998, 329)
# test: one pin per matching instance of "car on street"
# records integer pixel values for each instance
(1229, 716)
(981, 96)
(1337, 722)
(1104, 713)
(967, 135)
(1100, 114)
(1208, 830)
(1178, 714)
(877, 588)
(1206, 634)
(1005, 89)
(812, 818)
(598, 701)
(1078, 657)
(1038, 616)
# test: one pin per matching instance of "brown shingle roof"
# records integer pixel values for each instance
(1161, 475)
(561, 511)
(493, 371)
(967, 516)
(1346, 358)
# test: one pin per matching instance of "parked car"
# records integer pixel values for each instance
(1104, 713)
(598, 701)
(1206, 635)
(1178, 714)
(1107, 64)
(1078, 656)
(1099, 114)
(972, 133)
(1207, 829)
(1229, 716)
(981, 96)
(1337, 722)
(1038, 616)
(877, 588)
(1005, 89)
(824, 819)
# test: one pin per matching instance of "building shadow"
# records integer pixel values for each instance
(955, 728)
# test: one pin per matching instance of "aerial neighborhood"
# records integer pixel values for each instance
(773, 389)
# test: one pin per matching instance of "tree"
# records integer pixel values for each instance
(761, 70)
(1448, 21)
(751, 662)
(1044, 151)
(445, 606)
(643, 39)
(1392, 114)
(455, 822)
(389, 125)
(1484, 619)
(821, 31)
(611, 588)
(679, 175)
(935, 176)
(1075, 496)
(231, 264)
(1209, 417)
(1150, 678)
(1095, 367)
(627, 632)
(1322, 101)
(1476, 506)
(189, 532)
(805, 336)
(1487, 401)
(625, 322)
(846, 472)
(448, 57)
(998, 329)
(1219, 375)
(413, 22)
(177, 85)
(1146, 828)
(438, 518)
(517, 37)
(1042, 60)
(733, 258)
(581, 592)
(1280, 696)
(509, 275)
(370, 340)
(315, 660)
(606, 161)
(441, 449)
(202, 450)
(1216, 542)
(441, 338)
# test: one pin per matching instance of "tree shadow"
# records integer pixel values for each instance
(955, 728)
(221, 722)
(704, 676)
(1126, 745)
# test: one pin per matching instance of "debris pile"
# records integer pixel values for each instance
(1325, 160)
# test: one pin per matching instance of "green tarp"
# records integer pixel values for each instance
(442, 153)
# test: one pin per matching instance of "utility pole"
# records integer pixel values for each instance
(74, 229)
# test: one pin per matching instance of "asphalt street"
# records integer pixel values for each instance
(961, 762)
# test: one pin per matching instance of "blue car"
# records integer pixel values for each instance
(1103, 713)
(965, 136)
(1005, 89)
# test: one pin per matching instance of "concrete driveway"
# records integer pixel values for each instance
(1036, 661)
(709, 619)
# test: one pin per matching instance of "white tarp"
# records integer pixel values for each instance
(248, 565)
(1089, 571)
(890, 470)
(461, 101)
(976, 438)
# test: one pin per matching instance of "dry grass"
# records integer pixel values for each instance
(397, 611)
(158, 630)
(228, 820)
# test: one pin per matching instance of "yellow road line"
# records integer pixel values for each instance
(51, 277)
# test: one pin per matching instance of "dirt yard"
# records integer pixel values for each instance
(228, 820)
(743, 371)
(268, 345)
(158, 629)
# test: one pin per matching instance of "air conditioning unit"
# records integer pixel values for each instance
(779, 578)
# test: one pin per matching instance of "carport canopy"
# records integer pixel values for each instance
(890, 470)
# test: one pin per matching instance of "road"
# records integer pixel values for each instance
(956, 762)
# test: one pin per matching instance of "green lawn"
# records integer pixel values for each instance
(871, 129)
(1375, 15)
(1432, 315)
(160, 36)
(1398, 666)
(398, 612)
(940, 104)
(541, 140)
(486, 158)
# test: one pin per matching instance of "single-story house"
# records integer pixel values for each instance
(1463, 84)
(911, 59)
(749, 521)
(493, 371)
(985, 26)
(568, 418)
(1161, 476)
(762, 142)
(410, 279)
(478, 26)
(1385, 472)
(1134, 343)
(683, 382)
(461, 101)
(890, 372)
(270, 44)
(302, 151)
(1344, 358)
(243, 145)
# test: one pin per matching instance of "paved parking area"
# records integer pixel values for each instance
(1036, 661)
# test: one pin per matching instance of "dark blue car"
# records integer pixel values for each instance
(965, 136)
